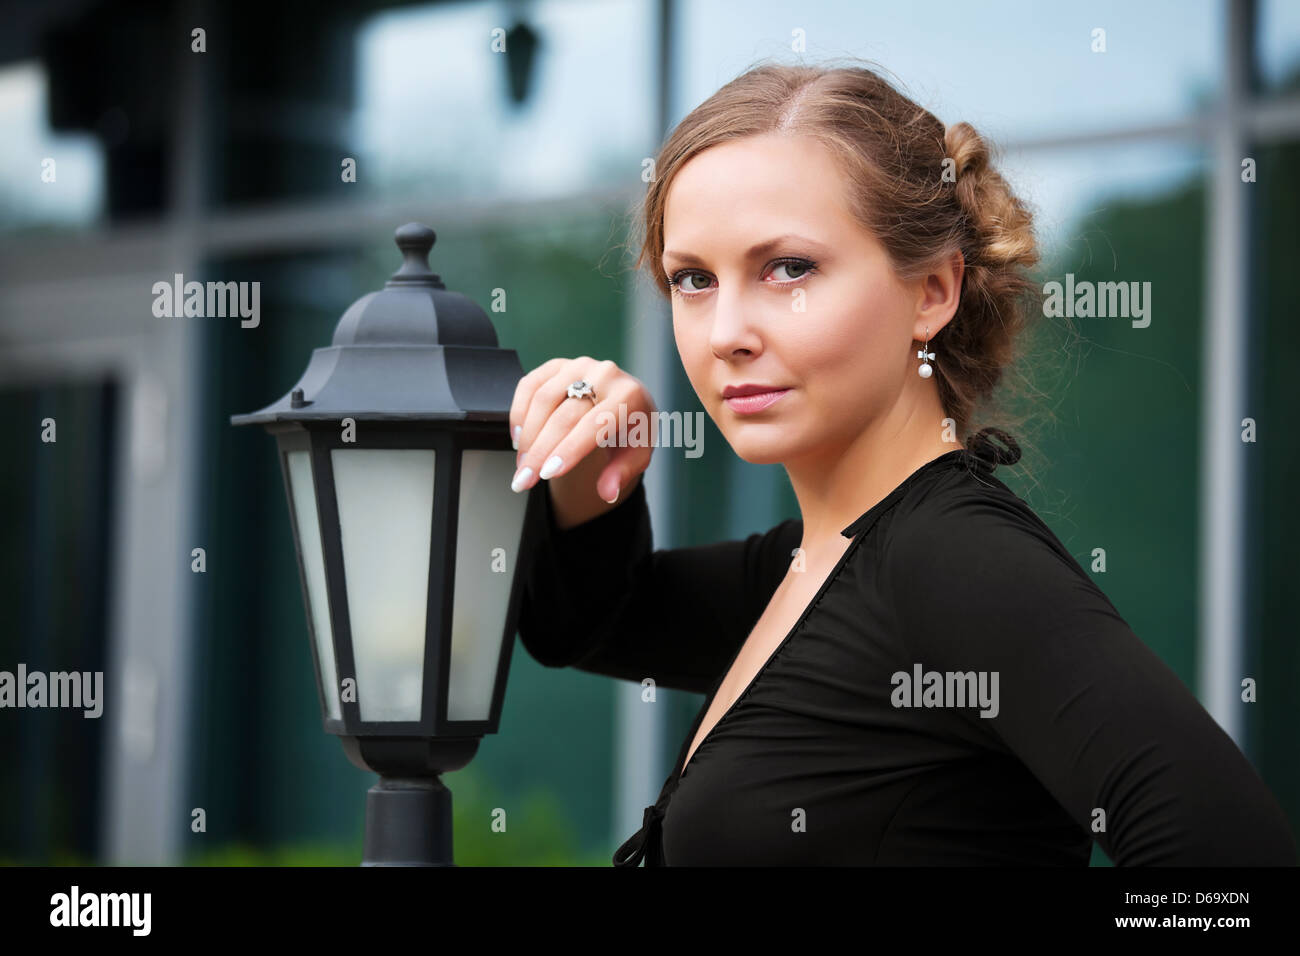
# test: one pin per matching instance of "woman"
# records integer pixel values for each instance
(917, 671)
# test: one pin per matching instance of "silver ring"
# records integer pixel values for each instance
(582, 389)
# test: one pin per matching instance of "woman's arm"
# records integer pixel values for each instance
(981, 584)
(599, 598)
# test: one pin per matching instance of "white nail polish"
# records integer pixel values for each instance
(551, 467)
(514, 437)
(520, 477)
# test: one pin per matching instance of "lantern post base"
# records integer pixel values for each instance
(408, 823)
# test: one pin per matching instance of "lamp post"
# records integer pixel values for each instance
(397, 462)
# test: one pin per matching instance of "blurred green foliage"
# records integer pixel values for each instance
(538, 833)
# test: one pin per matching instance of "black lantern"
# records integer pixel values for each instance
(397, 461)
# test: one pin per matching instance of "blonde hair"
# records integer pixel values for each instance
(923, 190)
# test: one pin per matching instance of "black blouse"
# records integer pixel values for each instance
(958, 692)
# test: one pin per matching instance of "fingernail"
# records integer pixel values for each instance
(521, 476)
(551, 467)
(610, 501)
(514, 436)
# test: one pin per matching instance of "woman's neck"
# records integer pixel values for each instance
(836, 486)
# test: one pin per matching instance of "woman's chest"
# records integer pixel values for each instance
(778, 622)
(811, 757)
(814, 695)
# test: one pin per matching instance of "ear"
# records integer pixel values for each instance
(938, 294)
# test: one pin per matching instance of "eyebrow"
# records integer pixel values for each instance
(690, 258)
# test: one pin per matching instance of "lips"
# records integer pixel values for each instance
(733, 391)
(746, 401)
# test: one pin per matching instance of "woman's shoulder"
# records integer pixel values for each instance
(966, 560)
(774, 548)
(967, 493)
(966, 517)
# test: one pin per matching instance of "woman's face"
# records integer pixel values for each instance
(777, 285)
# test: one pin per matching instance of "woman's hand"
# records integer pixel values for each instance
(557, 436)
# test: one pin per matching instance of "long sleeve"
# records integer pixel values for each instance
(981, 584)
(599, 598)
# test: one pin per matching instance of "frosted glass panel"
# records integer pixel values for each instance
(302, 494)
(490, 525)
(385, 501)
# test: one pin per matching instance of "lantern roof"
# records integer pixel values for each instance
(412, 351)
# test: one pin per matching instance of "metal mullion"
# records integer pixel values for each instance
(1222, 545)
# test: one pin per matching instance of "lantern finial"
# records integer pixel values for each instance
(415, 240)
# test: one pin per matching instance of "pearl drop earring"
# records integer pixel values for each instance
(926, 370)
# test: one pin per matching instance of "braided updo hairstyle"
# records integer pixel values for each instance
(923, 190)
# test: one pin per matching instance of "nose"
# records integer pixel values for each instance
(734, 330)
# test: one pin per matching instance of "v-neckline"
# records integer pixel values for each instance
(830, 578)
(860, 528)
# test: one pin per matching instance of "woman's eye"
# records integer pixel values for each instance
(795, 268)
(686, 282)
